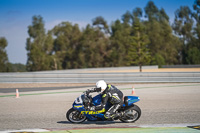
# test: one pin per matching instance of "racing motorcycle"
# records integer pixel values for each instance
(80, 109)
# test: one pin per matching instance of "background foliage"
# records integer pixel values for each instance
(141, 37)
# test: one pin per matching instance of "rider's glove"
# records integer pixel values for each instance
(86, 92)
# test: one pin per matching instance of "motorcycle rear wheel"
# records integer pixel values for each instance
(75, 116)
(131, 115)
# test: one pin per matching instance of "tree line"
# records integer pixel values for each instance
(140, 37)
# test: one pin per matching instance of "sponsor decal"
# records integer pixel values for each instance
(92, 112)
(79, 106)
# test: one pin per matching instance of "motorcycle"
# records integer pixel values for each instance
(80, 109)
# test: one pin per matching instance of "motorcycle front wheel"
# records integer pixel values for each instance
(131, 115)
(75, 116)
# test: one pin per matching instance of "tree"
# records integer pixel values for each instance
(193, 56)
(182, 26)
(131, 40)
(196, 7)
(187, 27)
(193, 46)
(170, 46)
(101, 23)
(126, 18)
(163, 44)
(3, 55)
(66, 45)
(159, 60)
(17, 67)
(163, 16)
(120, 43)
(196, 16)
(152, 12)
(138, 51)
(95, 48)
(38, 54)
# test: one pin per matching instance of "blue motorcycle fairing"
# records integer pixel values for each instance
(129, 100)
(91, 115)
(97, 100)
(81, 108)
(94, 115)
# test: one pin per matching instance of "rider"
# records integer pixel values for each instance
(109, 94)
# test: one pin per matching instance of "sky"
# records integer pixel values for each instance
(16, 16)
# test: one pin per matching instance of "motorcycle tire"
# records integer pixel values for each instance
(131, 115)
(75, 116)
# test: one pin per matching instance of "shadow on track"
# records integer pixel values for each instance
(91, 122)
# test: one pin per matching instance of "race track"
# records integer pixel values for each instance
(160, 104)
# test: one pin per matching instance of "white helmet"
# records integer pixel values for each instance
(101, 84)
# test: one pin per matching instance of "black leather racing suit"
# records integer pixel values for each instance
(110, 94)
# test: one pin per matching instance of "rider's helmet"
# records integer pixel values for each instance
(102, 85)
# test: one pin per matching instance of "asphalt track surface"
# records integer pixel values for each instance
(33, 89)
(161, 104)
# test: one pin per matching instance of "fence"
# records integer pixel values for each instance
(87, 76)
